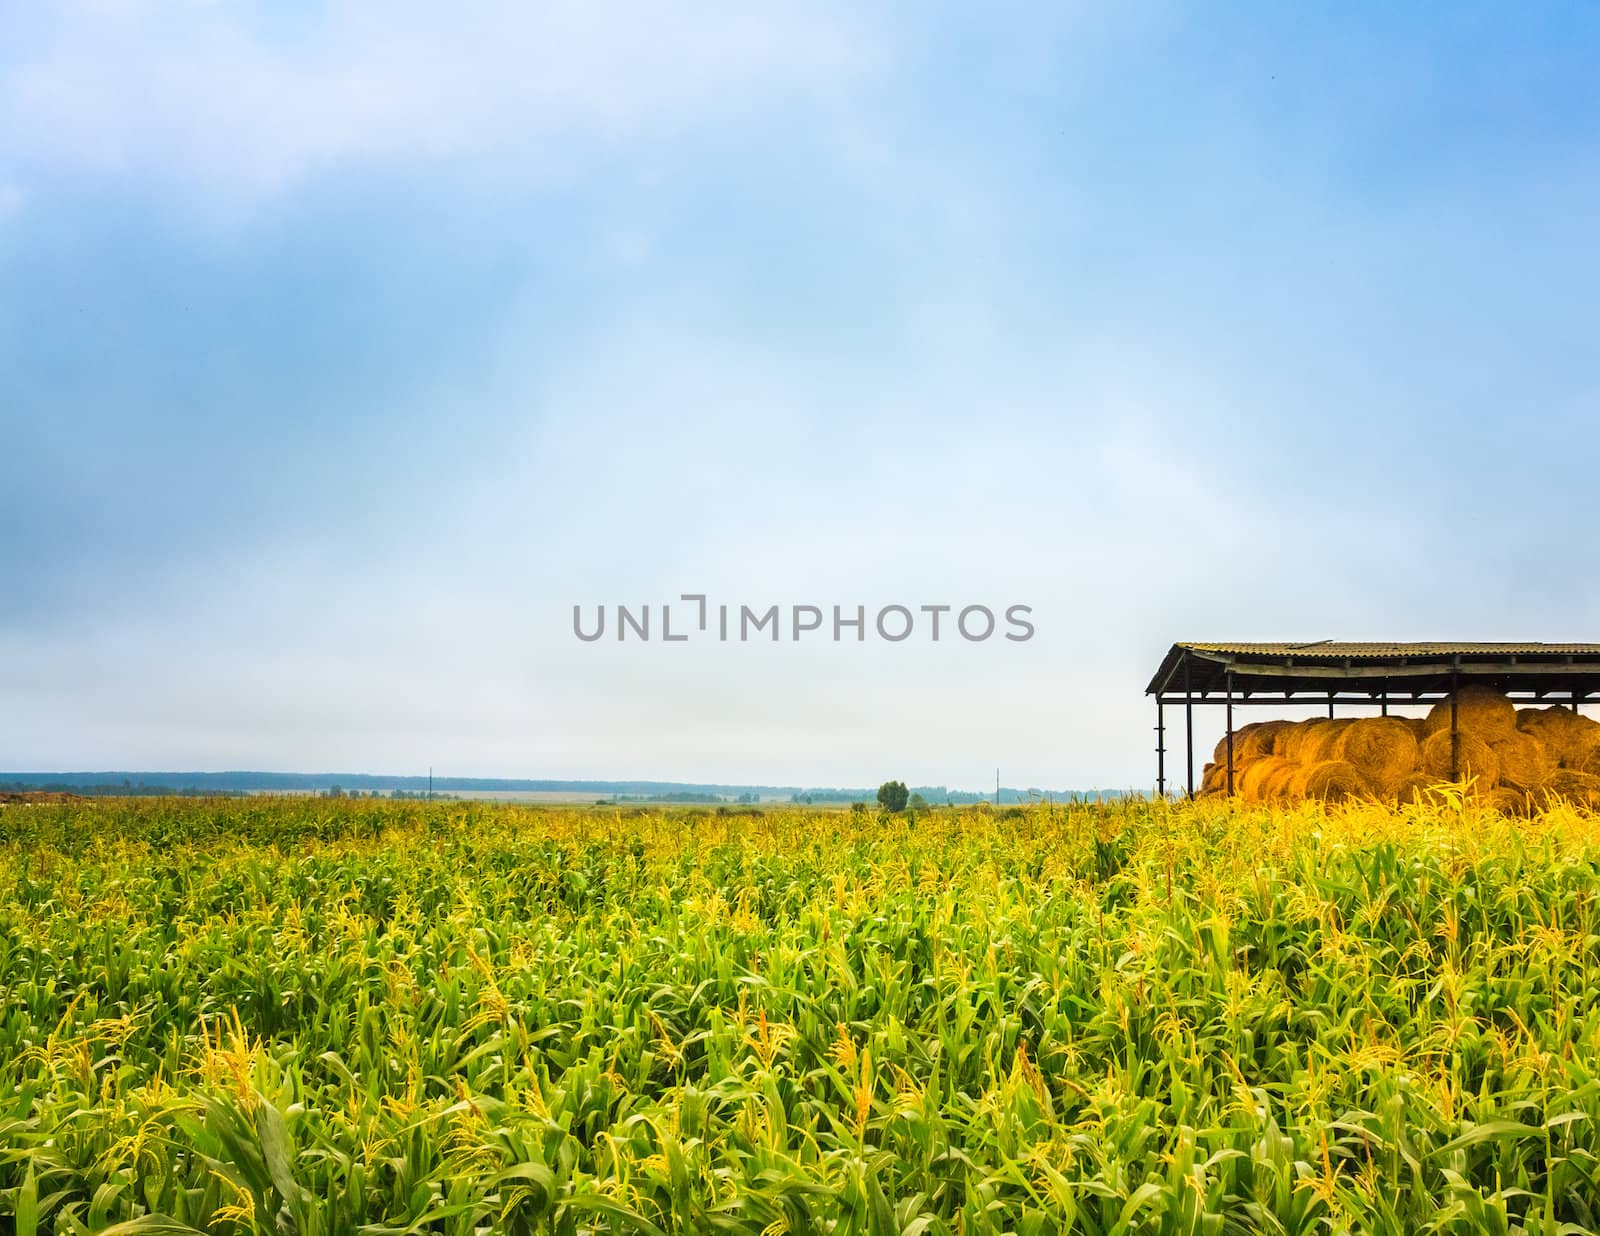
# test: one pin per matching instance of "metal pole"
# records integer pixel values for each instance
(1161, 747)
(1330, 704)
(1455, 730)
(1384, 697)
(1188, 722)
(1230, 733)
(1574, 699)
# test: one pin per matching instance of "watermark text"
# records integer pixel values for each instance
(692, 616)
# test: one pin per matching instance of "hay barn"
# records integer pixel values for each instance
(1510, 711)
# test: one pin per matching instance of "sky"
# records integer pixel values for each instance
(345, 348)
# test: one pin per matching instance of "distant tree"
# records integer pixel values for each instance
(917, 803)
(892, 795)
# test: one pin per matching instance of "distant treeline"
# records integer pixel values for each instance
(367, 785)
(121, 789)
(686, 796)
(936, 795)
(213, 782)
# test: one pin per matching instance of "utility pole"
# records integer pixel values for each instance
(430, 783)
(997, 787)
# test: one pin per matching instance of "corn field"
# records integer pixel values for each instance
(316, 1017)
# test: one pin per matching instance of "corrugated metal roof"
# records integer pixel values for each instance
(1338, 650)
(1375, 666)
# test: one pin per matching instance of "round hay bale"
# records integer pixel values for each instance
(1276, 788)
(1252, 782)
(1530, 720)
(1383, 748)
(1249, 741)
(1579, 740)
(1414, 787)
(1580, 752)
(1569, 736)
(1215, 776)
(1292, 739)
(1332, 780)
(1269, 735)
(1557, 718)
(1219, 753)
(1483, 710)
(1316, 747)
(1477, 759)
(1579, 788)
(1505, 800)
(1525, 763)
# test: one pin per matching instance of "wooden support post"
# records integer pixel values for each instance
(1161, 749)
(1188, 725)
(1455, 729)
(1230, 733)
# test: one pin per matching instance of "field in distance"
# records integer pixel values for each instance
(327, 1016)
(557, 797)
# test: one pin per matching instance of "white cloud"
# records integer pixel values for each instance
(205, 95)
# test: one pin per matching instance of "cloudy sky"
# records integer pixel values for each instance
(344, 348)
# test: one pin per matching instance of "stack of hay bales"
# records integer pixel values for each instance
(1510, 759)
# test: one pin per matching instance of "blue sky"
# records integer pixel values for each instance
(344, 348)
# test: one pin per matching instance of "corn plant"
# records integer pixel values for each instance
(319, 1017)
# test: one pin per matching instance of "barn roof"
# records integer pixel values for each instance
(1381, 669)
